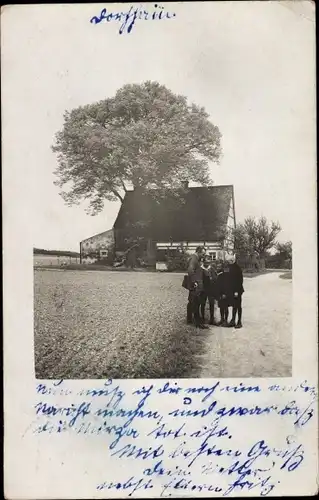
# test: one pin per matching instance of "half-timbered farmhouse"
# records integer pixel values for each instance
(156, 227)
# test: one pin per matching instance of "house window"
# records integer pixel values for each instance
(103, 253)
(213, 255)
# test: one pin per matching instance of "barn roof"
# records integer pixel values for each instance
(199, 214)
(109, 231)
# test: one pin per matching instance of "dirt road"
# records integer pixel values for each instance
(262, 348)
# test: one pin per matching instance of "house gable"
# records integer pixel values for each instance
(231, 225)
(99, 236)
(97, 244)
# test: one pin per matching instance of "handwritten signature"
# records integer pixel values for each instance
(129, 18)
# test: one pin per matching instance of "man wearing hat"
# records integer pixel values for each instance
(196, 287)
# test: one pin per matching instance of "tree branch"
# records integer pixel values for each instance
(117, 194)
(124, 187)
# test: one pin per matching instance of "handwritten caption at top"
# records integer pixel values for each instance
(129, 18)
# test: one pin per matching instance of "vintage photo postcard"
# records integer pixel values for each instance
(160, 249)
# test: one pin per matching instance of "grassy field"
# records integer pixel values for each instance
(54, 260)
(107, 324)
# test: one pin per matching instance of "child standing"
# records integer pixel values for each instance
(237, 289)
(223, 289)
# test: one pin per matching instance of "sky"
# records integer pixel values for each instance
(250, 64)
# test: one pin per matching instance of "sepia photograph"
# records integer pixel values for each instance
(163, 231)
(160, 236)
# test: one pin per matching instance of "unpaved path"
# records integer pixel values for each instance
(262, 348)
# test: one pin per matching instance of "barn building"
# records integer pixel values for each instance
(199, 216)
(97, 247)
(156, 227)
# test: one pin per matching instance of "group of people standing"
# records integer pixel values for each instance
(221, 283)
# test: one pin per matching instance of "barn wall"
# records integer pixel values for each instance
(97, 247)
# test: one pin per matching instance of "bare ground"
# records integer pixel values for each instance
(108, 324)
(132, 325)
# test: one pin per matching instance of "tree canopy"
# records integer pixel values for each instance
(144, 137)
(256, 235)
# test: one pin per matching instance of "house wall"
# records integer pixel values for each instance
(218, 250)
(212, 248)
(97, 247)
(231, 217)
(190, 246)
(151, 253)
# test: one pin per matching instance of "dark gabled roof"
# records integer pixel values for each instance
(199, 214)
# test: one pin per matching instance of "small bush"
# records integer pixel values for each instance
(177, 262)
(286, 276)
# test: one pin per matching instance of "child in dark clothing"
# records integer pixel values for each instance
(223, 287)
(237, 290)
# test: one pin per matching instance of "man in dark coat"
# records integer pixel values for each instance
(196, 287)
(210, 279)
(237, 289)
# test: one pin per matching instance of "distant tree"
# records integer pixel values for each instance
(241, 239)
(225, 237)
(284, 250)
(144, 137)
(64, 253)
(256, 235)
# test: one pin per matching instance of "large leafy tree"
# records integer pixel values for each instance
(143, 137)
(256, 235)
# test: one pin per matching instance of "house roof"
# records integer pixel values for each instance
(96, 235)
(199, 214)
